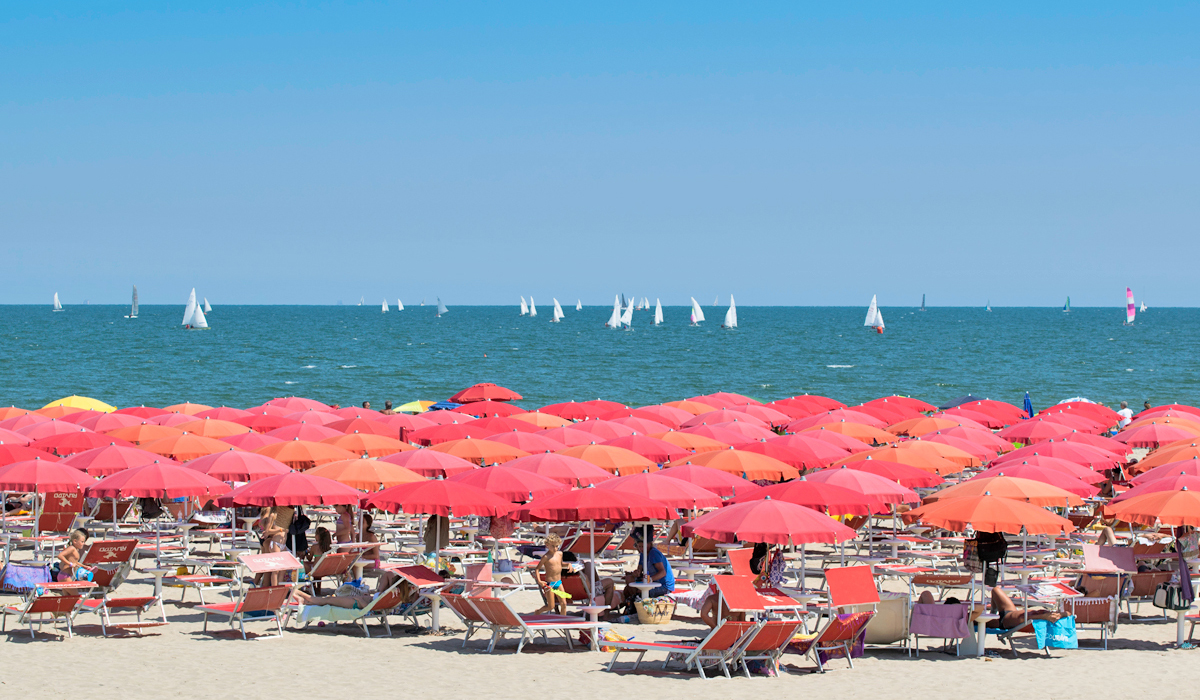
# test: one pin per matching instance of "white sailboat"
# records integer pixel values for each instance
(579, 305)
(614, 321)
(198, 321)
(422, 301)
(399, 305)
(532, 308)
(207, 308)
(697, 313)
(988, 307)
(716, 301)
(874, 316)
(133, 311)
(1142, 309)
(57, 303)
(189, 309)
(558, 314)
(524, 308)
(730, 315)
(361, 300)
(441, 308)
(657, 312)
(385, 306)
(627, 317)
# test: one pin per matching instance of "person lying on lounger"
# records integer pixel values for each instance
(1013, 617)
(354, 598)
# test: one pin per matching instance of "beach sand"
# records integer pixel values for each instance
(182, 661)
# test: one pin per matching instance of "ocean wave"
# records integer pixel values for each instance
(289, 382)
(347, 366)
(309, 367)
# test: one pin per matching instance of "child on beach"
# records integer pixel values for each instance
(551, 565)
(67, 567)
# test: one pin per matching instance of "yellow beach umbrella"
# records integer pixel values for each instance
(83, 403)
(415, 406)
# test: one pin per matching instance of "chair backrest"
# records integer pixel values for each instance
(333, 564)
(389, 598)
(942, 579)
(582, 544)
(270, 562)
(1107, 558)
(461, 605)
(1101, 585)
(1145, 583)
(496, 611)
(773, 635)
(62, 502)
(479, 572)
(104, 510)
(102, 552)
(738, 593)
(844, 628)
(740, 561)
(53, 604)
(941, 620)
(575, 587)
(726, 635)
(851, 585)
(269, 598)
(1092, 610)
(55, 522)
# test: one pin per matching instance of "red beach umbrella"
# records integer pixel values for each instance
(304, 431)
(303, 454)
(158, 480)
(571, 436)
(593, 504)
(1170, 508)
(667, 415)
(510, 484)
(719, 482)
(296, 403)
(447, 433)
(1045, 475)
(1183, 466)
(431, 463)
(1153, 435)
(366, 474)
(1178, 482)
(1063, 466)
(571, 471)
(293, 489)
(527, 442)
(445, 498)
(363, 426)
(667, 490)
(987, 513)
(238, 466)
(21, 453)
(903, 474)
(485, 392)
(653, 449)
(604, 430)
(141, 411)
(251, 441)
(878, 487)
(50, 428)
(820, 497)
(770, 521)
(9, 437)
(104, 422)
(110, 459)
(489, 409)
(224, 413)
(265, 422)
(500, 424)
(42, 476)
(611, 459)
(66, 444)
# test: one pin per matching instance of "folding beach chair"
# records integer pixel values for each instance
(766, 643)
(940, 621)
(382, 604)
(500, 616)
(1100, 612)
(461, 606)
(719, 648)
(851, 587)
(332, 564)
(47, 604)
(266, 604)
(110, 562)
(836, 639)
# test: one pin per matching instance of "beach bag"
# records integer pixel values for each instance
(585, 639)
(991, 574)
(1169, 596)
(991, 546)
(971, 557)
(22, 578)
(1059, 634)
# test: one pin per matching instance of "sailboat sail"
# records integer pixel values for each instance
(133, 311)
(524, 308)
(614, 321)
(558, 313)
(922, 302)
(697, 312)
(874, 317)
(623, 302)
(1142, 309)
(198, 321)
(385, 306)
(441, 307)
(399, 305)
(1067, 306)
(190, 309)
(207, 308)
(657, 312)
(730, 315)
(579, 305)
(532, 308)
(57, 303)
(627, 317)
(988, 307)
(1130, 310)
(361, 300)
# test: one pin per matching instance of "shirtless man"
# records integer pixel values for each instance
(551, 565)
(387, 409)
(68, 559)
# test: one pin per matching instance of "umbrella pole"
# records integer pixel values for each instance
(592, 575)
(803, 566)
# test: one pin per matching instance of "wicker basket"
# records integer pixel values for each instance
(657, 611)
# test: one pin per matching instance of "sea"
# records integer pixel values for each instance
(349, 354)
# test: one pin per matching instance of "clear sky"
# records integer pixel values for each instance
(790, 153)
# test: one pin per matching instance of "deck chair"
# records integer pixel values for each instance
(851, 587)
(104, 512)
(500, 616)
(110, 562)
(265, 604)
(36, 610)
(942, 621)
(766, 643)
(331, 564)
(838, 638)
(462, 608)
(383, 603)
(1100, 612)
(946, 582)
(739, 560)
(719, 648)
(581, 546)
(1144, 585)
(59, 510)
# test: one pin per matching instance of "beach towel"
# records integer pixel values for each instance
(20, 578)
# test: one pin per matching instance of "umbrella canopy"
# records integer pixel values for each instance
(235, 465)
(58, 412)
(988, 513)
(1004, 411)
(430, 463)
(1176, 410)
(749, 465)
(905, 401)
(593, 504)
(7, 412)
(265, 422)
(303, 454)
(571, 471)
(183, 447)
(144, 433)
(190, 409)
(1185, 421)
(615, 460)
(21, 453)
(541, 420)
(213, 428)
(731, 432)
(363, 426)
(481, 452)
(863, 433)
(889, 414)
(1102, 413)
(653, 449)
(224, 413)
(488, 409)
(979, 452)
(815, 447)
(770, 521)
(309, 432)
(268, 410)
(369, 444)
(445, 498)
(415, 406)
(50, 428)
(83, 403)
(645, 426)
(1183, 466)
(297, 403)
(401, 423)
(1081, 423)
(366, 474)
(1033, 430)
(731, 397)
(110, 459)
(25, 419)
(1170, 508)
(171, 420)
(1084, 455)
(835, 500)
(76, 416)
(801, 457)
(604, 430)
(721, 483)
(693, 442)
(293, 489)
(142, 411)
(250, 441)
(158, 480)
(665, 489)
(984, 420)
(318, 417)
(485, 392)
(42, 476)
(929, 424)
(453, 431)
(511, 484)
(985, 438)
(839, 415)
(532, 443)
(1151, 435)
(822, 403)
(1179, 482)
(949, 453)
(874, 486)
(66, 444)
(104, 422)
(9, 437)
(960, 401)
(693, 407)
(920, 459)
(573, 411)
(1164, 455)
(728, 415)
(1064, 466)
(902, 474)
(667, 415)
(1046, 475)
(502, 424)
(1036, 492)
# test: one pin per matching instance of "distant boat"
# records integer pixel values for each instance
(922, 302)
(558, 314)
(532, 308)
(207, 308)
(627, 317)
(399, 305)
(1067, 306)
(614, 321)
(657, 312)
(730, 315)
(716, 301)
(697, 313)
(646, 302)
(441, 308)
(578, 305)
(524, 308)
(57, 303)
(189, 309)
(623, 302)
(385, 306)
(133, 311)
(1143, 308)
(422, 301)
(988, 306)
(1130, 310)
(874, 316)
(194, 321)
(361, 300)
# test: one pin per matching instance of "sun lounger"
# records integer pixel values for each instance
(110, 562)
(47, 604)
(382, 604)
(1101, 612)
(837, 638)
(720, 647)
(766, 643)
(461, 606)
(500, 616)
(265, 604)
(940, 621)
(331, 564)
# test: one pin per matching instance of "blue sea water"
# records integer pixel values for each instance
(350, 354)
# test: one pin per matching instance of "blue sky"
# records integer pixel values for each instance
(787, 153)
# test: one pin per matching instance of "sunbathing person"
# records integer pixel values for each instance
(354, 598)
(1013, 617)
